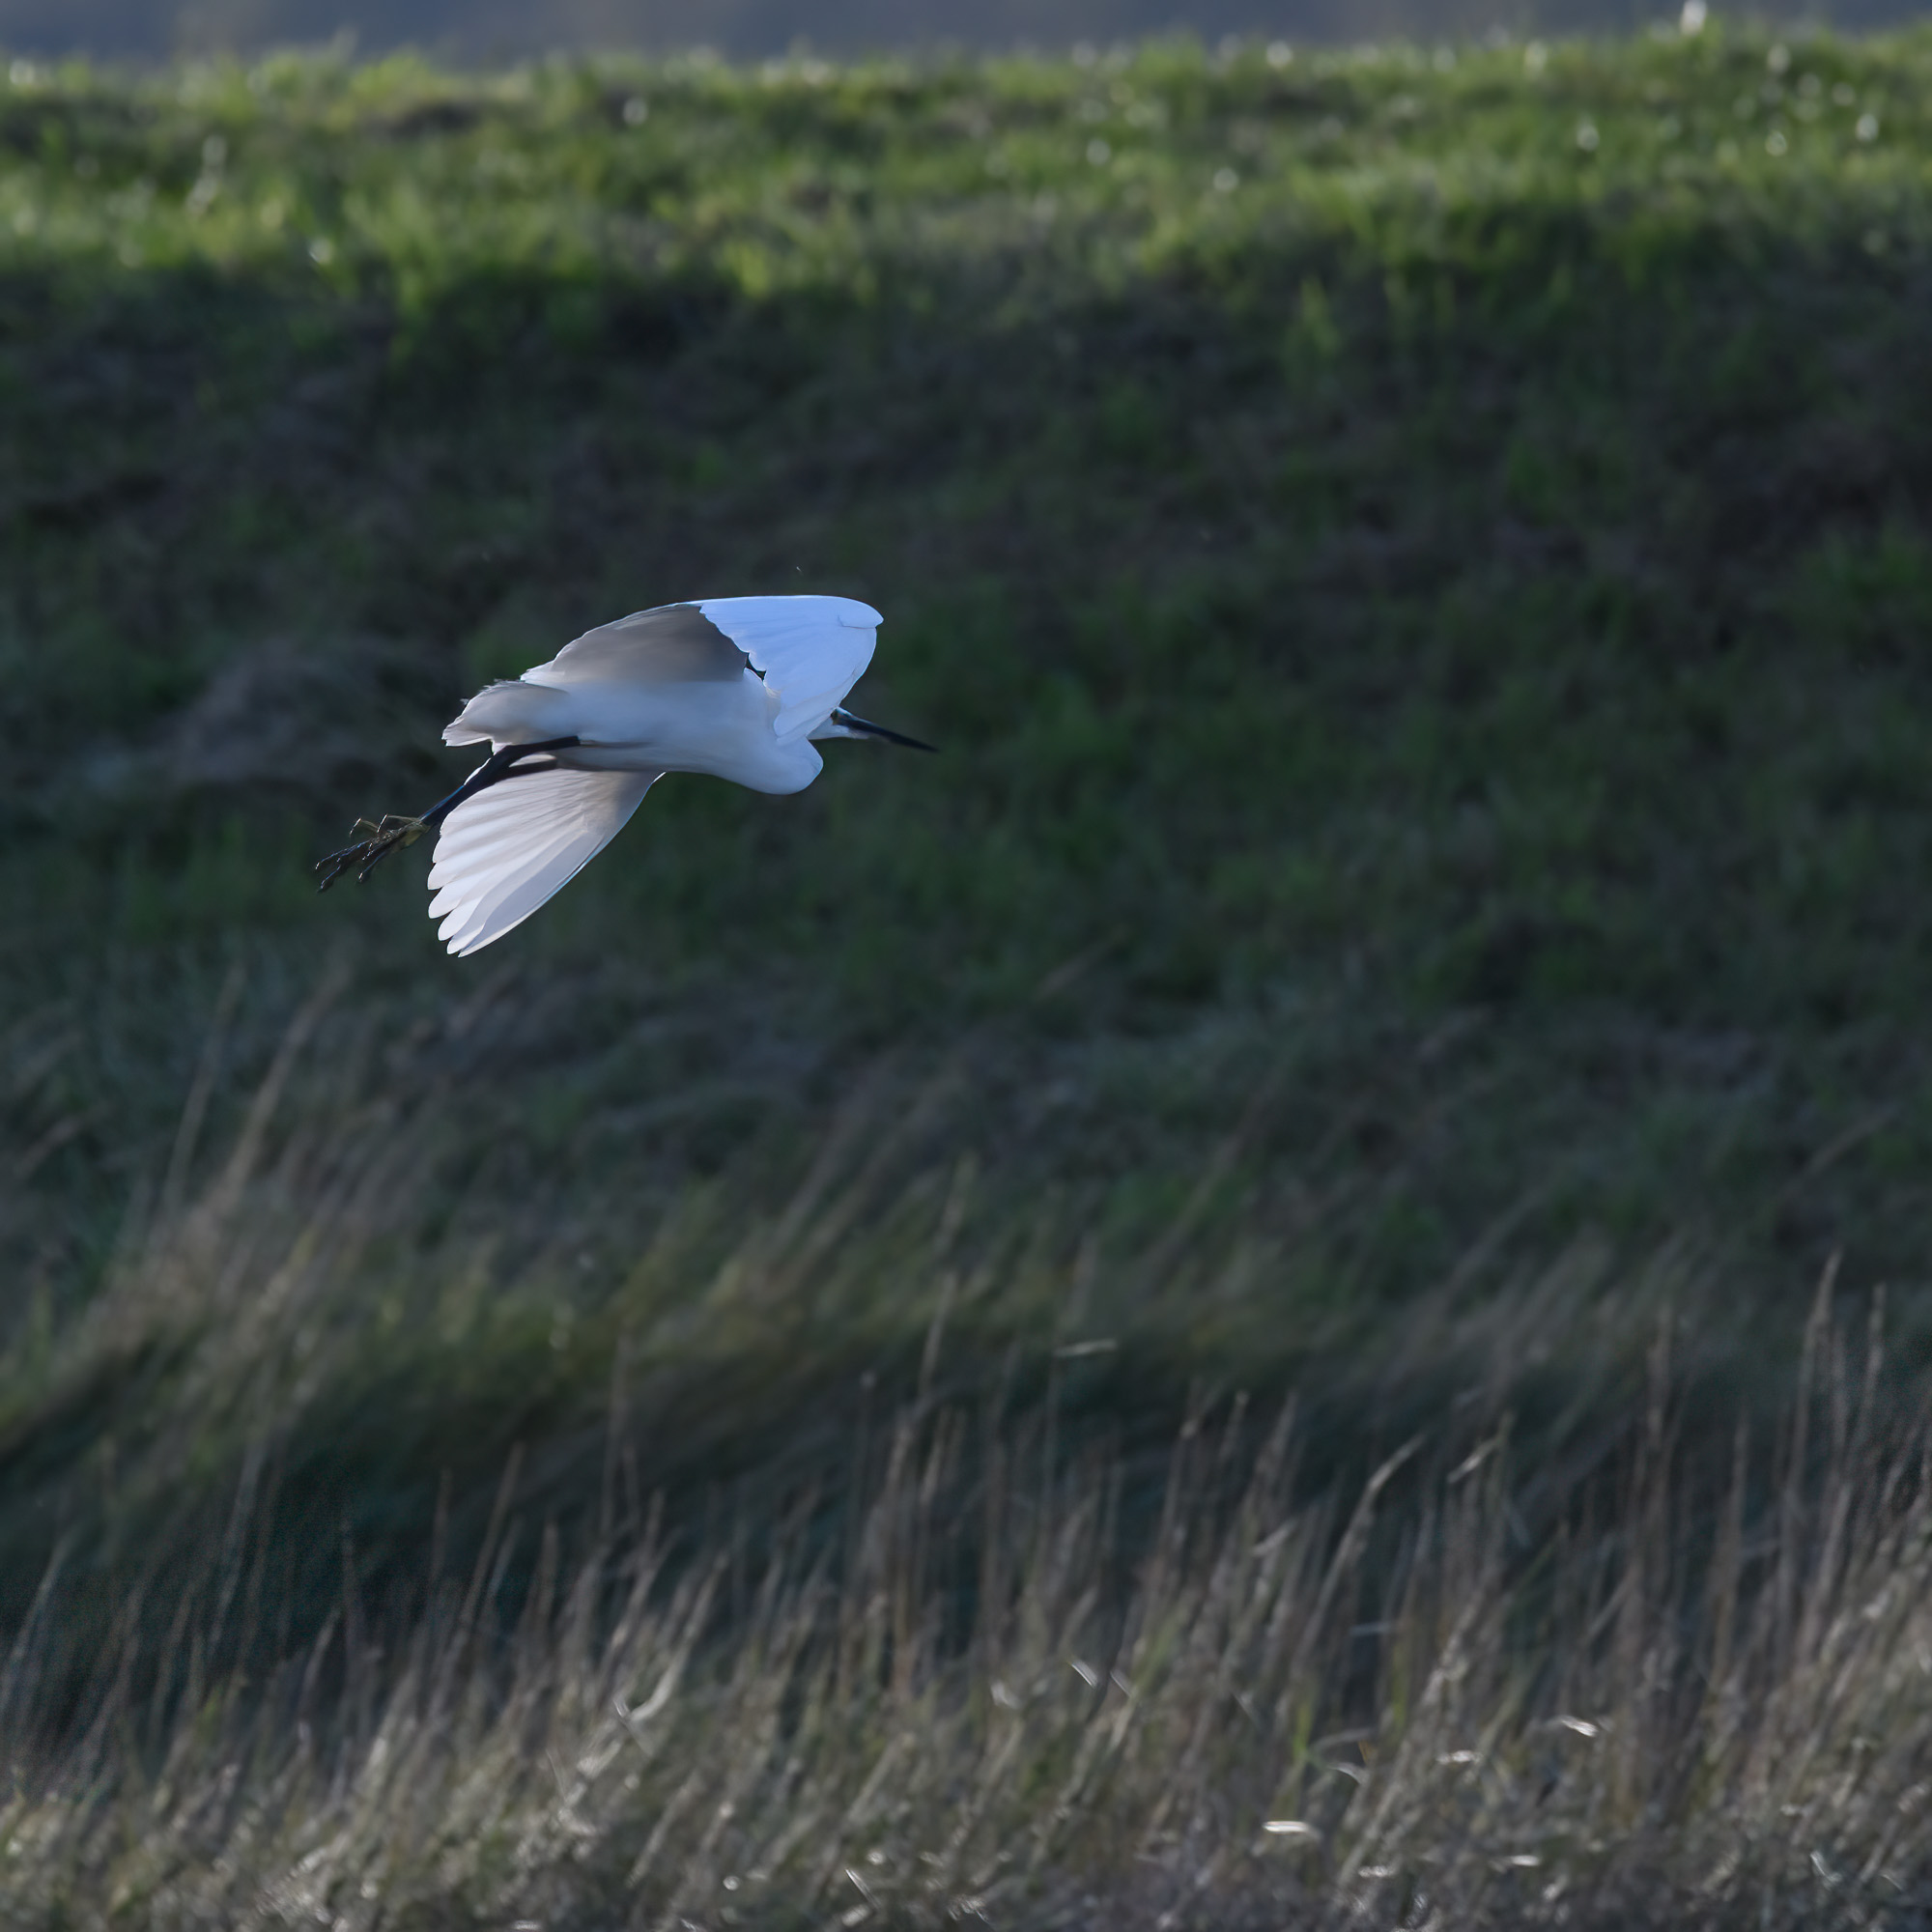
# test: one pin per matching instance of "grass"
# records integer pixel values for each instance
(1416, 563)
(959, 1657)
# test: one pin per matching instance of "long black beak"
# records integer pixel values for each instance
(867, 729)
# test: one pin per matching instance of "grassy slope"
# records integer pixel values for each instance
(1419, 575)
(1452, 568)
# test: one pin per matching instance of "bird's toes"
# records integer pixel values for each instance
(336, 864)
(399, 829)
(376, 843)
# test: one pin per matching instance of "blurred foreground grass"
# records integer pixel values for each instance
(1419, 565)
(976, 1665)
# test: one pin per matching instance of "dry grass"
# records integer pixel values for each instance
(976, 1663)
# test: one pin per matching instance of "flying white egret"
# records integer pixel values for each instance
(738, 687)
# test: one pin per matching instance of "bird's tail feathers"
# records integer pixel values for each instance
(508, 712)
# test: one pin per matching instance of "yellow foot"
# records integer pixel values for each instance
(375, 845)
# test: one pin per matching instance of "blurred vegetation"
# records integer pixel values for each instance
(1510, 1692)
(1418, 566)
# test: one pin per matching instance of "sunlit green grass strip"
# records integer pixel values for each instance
(396, 179)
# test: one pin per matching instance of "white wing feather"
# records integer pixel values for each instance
(503, 853)
(812, 651)
(674, 643)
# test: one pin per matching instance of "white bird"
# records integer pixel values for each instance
(738, 687)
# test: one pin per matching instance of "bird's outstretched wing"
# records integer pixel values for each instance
(812, 651)
(809, 650)
(675, 643)
(503, 853)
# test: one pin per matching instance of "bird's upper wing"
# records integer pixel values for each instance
(810, 650)
(503, 853)
(675, 643)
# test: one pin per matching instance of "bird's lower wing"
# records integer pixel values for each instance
(503, 853)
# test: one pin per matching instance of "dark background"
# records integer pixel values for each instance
(486, 29)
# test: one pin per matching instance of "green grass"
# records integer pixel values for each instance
(1420, 573)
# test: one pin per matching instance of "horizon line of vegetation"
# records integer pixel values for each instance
(396, 178)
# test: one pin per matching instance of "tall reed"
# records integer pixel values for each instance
(992, 1689)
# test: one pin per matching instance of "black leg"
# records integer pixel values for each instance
(396, 831)
(493, 769)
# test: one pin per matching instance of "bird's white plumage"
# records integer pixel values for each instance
(503, 853)
(812, 650)
(674, 643)
(732, 686)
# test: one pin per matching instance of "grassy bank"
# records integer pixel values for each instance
(1418, 567)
